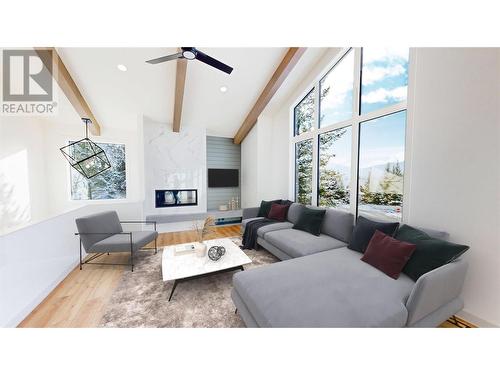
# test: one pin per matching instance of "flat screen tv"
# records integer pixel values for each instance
(223, 178)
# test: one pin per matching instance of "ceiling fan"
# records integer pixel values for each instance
(191, 53)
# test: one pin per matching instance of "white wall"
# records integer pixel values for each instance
(249, 169)
(455, 162)
(34, 259)
(455, 170)
(34, 175)
(263, 154)
(23, 187)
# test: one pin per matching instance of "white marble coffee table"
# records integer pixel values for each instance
(189, 266)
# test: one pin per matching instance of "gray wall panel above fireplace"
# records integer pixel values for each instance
(224, 154)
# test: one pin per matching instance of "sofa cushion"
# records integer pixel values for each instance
(338, 224)
(364, 230)
(430, 253)
(310, 220)
(294, 212)
(298, 243)
(328, 289)
(261, 232)
(387, 254)
(121, 242)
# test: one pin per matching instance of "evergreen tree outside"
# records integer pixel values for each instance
(304, 171)
(304, 114)
(389, 191)
(304, 121)
(332, 192)
(110, 184)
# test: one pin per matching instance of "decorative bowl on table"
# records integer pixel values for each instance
(216, 252)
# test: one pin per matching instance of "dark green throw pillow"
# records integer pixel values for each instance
(430, 253)
(310, 220)
(265, 207)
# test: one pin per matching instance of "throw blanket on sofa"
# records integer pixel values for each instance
(249, 240)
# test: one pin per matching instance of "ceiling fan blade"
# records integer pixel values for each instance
(166, 58)
(213, 62)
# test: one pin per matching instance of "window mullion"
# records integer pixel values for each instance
(315, 148)
(353, 197)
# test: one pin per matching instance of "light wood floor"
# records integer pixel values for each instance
(79, 300)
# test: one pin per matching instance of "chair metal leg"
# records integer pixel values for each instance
(131, 254)
(80, 253)
(156, 247)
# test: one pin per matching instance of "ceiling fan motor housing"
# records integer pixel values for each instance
(189, 53)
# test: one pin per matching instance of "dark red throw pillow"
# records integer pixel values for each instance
(388, 254)
(278, 211)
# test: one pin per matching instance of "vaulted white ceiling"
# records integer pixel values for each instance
(117, 98)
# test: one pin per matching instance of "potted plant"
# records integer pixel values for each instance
(201, 231)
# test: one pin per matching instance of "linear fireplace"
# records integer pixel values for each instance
(176, 198)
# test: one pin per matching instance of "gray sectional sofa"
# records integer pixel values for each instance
(322, 283)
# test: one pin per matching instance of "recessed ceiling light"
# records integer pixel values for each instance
(121, 67)
(223, 89)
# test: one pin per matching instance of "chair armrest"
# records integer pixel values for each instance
(435, 289)
(139, 222)
(250, 212)
(110, 234)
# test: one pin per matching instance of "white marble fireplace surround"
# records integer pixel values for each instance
(174, 161)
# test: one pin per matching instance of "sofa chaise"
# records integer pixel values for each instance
(322, 283)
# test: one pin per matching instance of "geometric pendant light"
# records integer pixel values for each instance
(85, 156)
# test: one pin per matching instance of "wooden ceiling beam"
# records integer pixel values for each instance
(68, 86)
(284, 68)
(180, 84)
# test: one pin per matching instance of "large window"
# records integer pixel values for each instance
(304, 171)
(381, 165)
(110, 184)
(357, 132)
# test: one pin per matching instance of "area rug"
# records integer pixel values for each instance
(141, 298)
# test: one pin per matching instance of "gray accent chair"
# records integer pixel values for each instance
(322, 283)
(102, 233)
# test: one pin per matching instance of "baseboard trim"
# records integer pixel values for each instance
(475, 321)
(15, 322)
